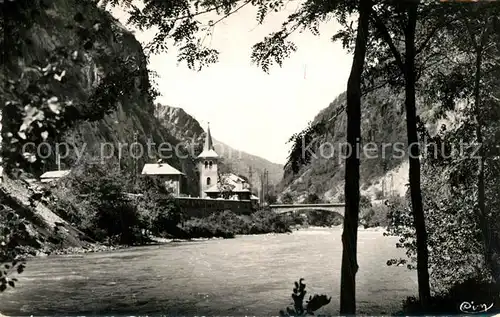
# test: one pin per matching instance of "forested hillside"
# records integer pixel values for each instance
(101, 71)
(319, 166)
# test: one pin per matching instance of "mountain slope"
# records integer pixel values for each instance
(93, 76)
(186, 128)
(384, 164)
(323, 173)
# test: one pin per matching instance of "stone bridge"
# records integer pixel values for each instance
(281, 209)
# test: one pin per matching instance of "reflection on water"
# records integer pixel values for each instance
(242, 276)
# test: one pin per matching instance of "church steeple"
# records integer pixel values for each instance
(207, 165)
(209, 145)
(208, 148)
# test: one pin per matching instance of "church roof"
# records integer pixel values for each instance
(215, 189)
(208, 148)
(52, 175)
(208, 154)
(159, 169)
(234, 178)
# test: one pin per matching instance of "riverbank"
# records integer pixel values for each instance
(96, 248)
(249, 275)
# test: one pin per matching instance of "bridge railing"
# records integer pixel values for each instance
(307, 205)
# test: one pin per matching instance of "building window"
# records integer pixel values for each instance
(210, 165)
(206, 164)
(208, 180)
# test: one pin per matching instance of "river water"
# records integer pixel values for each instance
(248, 275)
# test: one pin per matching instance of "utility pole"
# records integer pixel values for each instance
(135, 159)
(261, 196)
(267, 184)
(250, 180)
(250, 175)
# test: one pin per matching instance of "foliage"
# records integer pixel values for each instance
(287, 198)
(312, 198)
(313, 304)
(323, 218)
(457, 234)
(382, 123)
(107, 214)
(364, 202)
(375, 216)
(459, 299)
(159, 210)
(184, 24)
(307, 138)
(271, 198)
(227, 224)
(12, 231)
(453, 237)
(41, 103)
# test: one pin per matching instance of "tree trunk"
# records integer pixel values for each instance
(350, 233)
(489, 249)
(414, 159)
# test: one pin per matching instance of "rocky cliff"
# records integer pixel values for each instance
(384, 160)
(383, 172)
(103, 63)
(184, 127)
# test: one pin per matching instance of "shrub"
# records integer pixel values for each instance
(222, 225)
(364, 202)
(227, 224)
(379, 194)
(298, 219)
(375, 216)
(103, 211)
(12, 230)
(312, 199)
(159, 210)
(287, 198)
(323, 218)
(271, 198)
(299, 309)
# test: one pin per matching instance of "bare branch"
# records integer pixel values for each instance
(387, 38)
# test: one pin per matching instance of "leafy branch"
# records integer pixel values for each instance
(313, 304)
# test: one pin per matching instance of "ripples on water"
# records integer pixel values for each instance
(249, 275)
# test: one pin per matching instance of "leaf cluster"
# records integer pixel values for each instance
(313, 304)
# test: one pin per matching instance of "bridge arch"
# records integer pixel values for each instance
(286, 208)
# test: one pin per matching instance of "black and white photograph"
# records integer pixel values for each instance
(250, 158)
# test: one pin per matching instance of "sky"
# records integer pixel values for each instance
(248, 109)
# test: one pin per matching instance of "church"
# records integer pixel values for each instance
(214, 185)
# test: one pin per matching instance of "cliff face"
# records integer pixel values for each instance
(97, 51)
(186, 128)
(384, 161)
(382, 123)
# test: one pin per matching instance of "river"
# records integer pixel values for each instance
(248, 275)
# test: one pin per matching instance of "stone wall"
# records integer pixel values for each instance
(199, 207)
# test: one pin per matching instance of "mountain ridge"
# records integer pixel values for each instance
(186, 128)
(93, 68)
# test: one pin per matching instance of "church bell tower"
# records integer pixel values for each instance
(207, 165)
